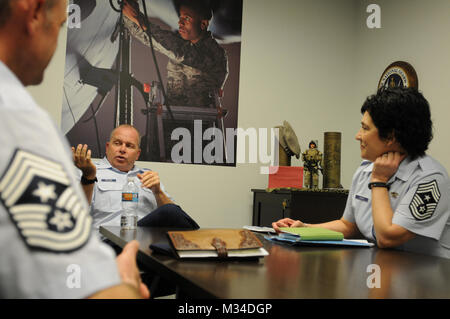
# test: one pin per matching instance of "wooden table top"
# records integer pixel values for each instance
(297, 272)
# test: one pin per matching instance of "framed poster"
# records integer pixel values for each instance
(180, 90)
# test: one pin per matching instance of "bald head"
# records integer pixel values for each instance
(5, 9)
(122, 149)
(127, 126)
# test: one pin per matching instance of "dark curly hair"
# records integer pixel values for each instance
(402, 113)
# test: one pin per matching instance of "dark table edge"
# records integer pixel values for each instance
(187, 286)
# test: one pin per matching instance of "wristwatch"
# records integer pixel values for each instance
(378, 184)
(86, 181)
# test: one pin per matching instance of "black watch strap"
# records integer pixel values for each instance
(378, 184)
(86, 181)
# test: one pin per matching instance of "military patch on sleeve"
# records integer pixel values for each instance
(425, 200)
(43, 205)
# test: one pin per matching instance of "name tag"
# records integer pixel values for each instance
(361, 198)
(113, 180)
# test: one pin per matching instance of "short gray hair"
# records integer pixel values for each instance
(5, 9)
(127, 126)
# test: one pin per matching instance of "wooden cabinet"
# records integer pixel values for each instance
(309, 206)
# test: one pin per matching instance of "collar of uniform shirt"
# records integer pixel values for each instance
(10, 83)
(8, 75)
(404, 171)
(105, 164)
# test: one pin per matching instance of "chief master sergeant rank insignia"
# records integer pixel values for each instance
(43, 205)
(425, 200)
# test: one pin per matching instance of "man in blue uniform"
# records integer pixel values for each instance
(103, 180)
(399, 195)
(45, 229)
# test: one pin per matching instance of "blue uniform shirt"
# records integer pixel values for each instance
(419, 194)
(106, 202)
(46, 244)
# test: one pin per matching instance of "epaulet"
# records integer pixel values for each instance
(426, 163)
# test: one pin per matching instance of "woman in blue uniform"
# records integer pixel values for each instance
(399, 196)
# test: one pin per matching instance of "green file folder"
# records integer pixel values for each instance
(310, 233)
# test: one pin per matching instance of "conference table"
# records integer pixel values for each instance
(295, 272)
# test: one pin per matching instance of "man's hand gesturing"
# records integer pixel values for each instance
(82, 160)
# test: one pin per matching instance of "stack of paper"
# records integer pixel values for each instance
(315, 236)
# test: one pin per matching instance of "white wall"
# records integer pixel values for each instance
(418, 32)
(312, 63)
(292, 64)
(49, 93)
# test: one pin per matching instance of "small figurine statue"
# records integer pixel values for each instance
(312, 159)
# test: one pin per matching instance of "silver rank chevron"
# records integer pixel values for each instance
(425, 200)
(43, 205)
